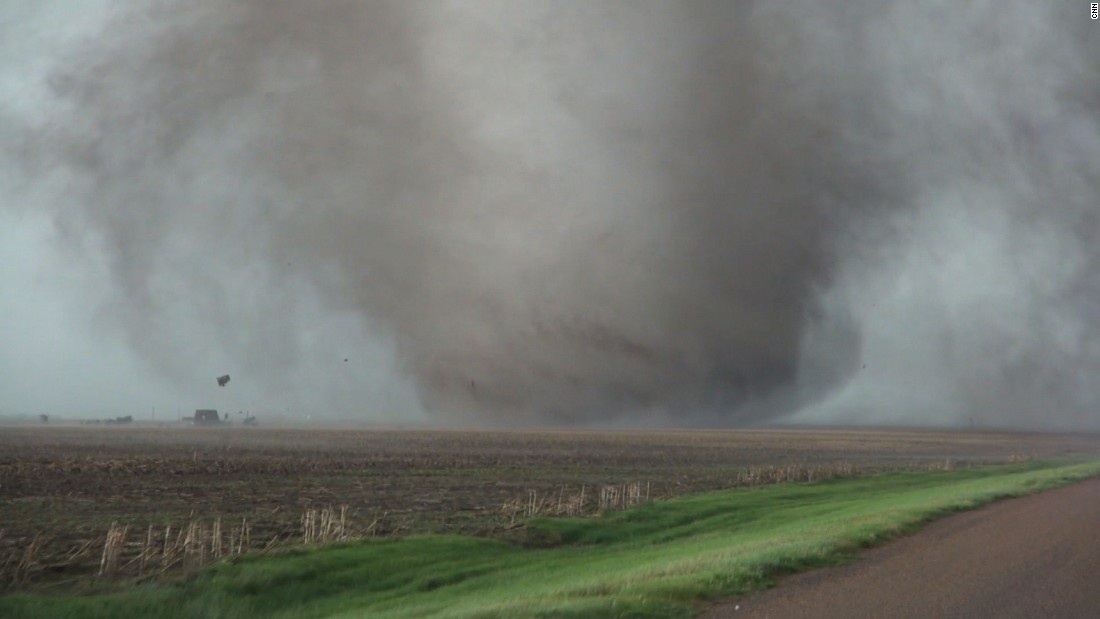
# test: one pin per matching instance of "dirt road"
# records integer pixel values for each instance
(1036, 556)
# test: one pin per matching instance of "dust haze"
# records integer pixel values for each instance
(540, 213)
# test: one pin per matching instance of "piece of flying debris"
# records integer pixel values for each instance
(222, 380)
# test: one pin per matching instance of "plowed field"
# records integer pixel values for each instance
(62, 488)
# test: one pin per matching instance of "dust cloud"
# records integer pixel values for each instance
(644, 212)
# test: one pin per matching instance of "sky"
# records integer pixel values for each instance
(552, 214)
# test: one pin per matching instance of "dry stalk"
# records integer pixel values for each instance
(271, 544)
(29, 560)
(532, 507)
(309, 526)
(82, 552)
(320, 526)
(193, 545)
(216, 538)
(112, 548)
(147, 551)
(621, 497)
(170, 550)
(577, 504)
(765, 475)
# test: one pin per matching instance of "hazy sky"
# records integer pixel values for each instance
(520, 212)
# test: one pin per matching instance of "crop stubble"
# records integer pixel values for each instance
(63, 487)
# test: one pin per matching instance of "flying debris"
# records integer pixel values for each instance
(223, 380)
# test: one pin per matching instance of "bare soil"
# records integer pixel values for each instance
(61, 488)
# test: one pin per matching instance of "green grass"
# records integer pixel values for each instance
(665, 559)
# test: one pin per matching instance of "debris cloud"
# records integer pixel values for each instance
(587, 213)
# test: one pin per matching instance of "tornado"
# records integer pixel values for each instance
(591, 213)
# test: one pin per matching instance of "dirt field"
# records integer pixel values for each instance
(181, 496)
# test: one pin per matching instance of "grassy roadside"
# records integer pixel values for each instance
(660, 560)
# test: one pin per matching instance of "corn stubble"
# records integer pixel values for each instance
(84, 506)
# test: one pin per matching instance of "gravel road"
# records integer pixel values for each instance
(1036, 556)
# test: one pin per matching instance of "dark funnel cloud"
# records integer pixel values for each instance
(598, 212)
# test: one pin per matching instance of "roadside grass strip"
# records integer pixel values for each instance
(663, 559)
